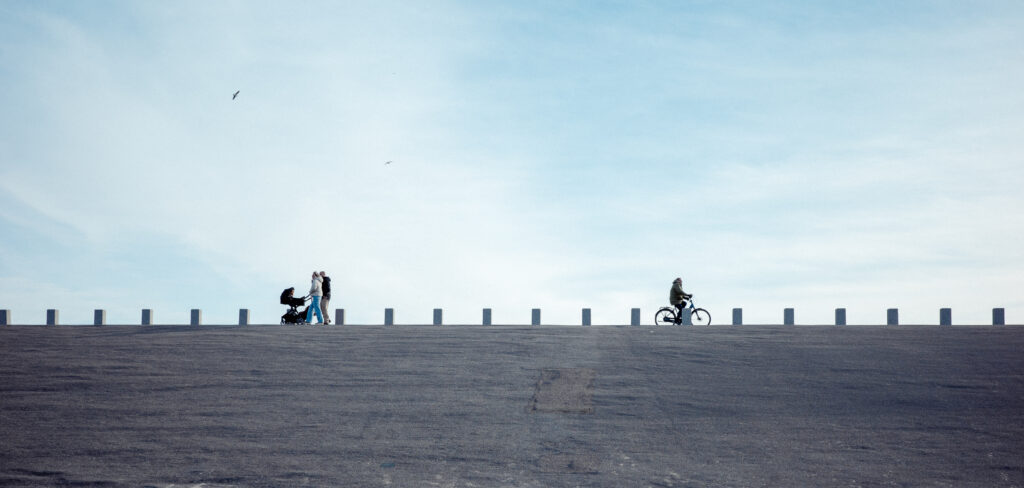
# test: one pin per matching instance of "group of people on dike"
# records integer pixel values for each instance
(320, 293)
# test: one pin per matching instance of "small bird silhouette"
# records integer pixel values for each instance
(387, 162)
(236, 94)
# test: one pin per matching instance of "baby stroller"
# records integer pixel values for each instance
(293, 315)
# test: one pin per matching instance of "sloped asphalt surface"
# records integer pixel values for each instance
(413, 406)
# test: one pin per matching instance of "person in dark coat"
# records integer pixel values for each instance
(677, 297)
(326, 300)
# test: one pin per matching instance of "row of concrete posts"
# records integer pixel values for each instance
(788, 317)
(892, 316)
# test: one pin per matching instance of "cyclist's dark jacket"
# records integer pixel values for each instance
(677, 295)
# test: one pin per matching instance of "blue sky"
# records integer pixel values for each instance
(558, 155)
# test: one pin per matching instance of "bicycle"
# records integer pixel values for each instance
(669, 316)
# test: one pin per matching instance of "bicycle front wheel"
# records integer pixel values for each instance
(699, 316)
(665, 316)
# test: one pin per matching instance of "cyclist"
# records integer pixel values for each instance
(678, 298)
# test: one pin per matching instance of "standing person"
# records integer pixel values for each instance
(325, 303)
(678, 297)
(316, 291)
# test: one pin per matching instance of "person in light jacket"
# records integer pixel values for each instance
(315, 291)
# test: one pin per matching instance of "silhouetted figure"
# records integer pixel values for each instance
(325, 302)
(678, 297)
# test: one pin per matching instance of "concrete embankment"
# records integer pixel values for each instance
(511, 406)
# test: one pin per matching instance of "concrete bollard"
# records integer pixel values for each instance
(998, 316)
(389, 316)
(487, 316)
(243, 316)
(339, 316)
(52, 317)
(840, 316)
(737, 316)
(634, 316)
(945, 316)
(437, 316)
(5, 317)
(147, 316)
(99, 317)
(197, 317)
(892, 316)
(788, 316)
(586, 317)
(687, 318)
(535, 317)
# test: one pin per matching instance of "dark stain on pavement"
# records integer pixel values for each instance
(564, 391)
(569, 463)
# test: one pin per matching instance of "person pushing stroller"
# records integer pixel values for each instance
(316, 292)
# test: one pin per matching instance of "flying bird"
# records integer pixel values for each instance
(387, 162)
(236, 94)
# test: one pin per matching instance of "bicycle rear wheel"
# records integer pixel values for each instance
(699, 316)
(665, 316)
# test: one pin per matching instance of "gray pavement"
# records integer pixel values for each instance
(466, 406)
